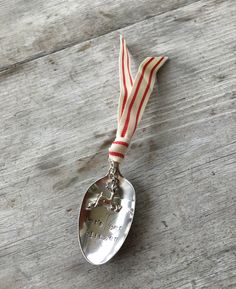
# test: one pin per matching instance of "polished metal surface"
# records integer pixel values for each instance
(105, 217)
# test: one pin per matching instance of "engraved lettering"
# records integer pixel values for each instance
(98, 236)
(115, 227)
(95, 222)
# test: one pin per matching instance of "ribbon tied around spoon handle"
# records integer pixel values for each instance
(134, 95)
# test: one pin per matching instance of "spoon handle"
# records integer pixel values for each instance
(113, 174)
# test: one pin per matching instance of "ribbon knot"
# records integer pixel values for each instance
(134, 95)
(118, 148)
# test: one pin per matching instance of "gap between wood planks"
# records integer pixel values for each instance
(68, 45)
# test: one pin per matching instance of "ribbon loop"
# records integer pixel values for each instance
(134, 95)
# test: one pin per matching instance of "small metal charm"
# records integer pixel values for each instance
(111, 202)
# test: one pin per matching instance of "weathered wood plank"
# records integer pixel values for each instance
(58, 117)
(30, 29)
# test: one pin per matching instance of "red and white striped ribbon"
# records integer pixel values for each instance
(134, 95)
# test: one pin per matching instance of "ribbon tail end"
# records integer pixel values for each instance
(164, 59)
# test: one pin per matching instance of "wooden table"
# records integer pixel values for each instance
(59, 91)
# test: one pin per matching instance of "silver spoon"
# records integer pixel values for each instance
(108, 206)
(106, 216)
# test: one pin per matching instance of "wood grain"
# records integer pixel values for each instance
(58, 117)
(32, 29)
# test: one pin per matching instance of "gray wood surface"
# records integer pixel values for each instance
(32, 29)
(59, 90)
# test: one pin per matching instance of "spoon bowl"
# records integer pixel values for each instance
(105, 219)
